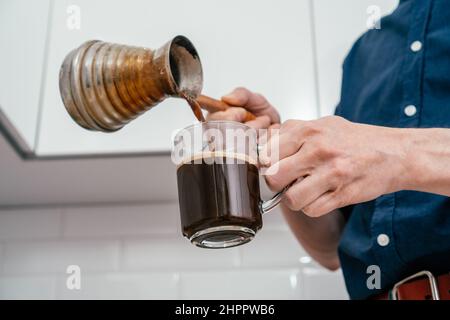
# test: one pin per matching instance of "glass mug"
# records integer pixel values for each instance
(218, 184)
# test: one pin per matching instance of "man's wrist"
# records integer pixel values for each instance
(410, 177)
(418, 147)
(402, 167)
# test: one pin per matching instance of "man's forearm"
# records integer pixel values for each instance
(318, 236)
(427, 160)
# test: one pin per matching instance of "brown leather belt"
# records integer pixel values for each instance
(420, 286)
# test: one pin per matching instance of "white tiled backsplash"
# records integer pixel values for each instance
(137, 252)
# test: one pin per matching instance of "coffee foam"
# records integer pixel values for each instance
(218, 154)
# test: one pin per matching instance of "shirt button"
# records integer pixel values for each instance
(416, 46)
(410, 110)
(383, 239)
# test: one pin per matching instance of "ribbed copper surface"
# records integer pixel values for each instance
(105, 85)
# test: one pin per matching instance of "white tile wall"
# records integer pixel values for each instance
(175, 253)
(55, 256)
(137, 252)
(280, 249)
(27, 287)
(242, 284)
(121, 220)
(322, 284)
(30, 224)
(123, 286)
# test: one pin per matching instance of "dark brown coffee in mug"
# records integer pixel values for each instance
(219, 200)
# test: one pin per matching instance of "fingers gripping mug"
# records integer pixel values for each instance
(218, 184)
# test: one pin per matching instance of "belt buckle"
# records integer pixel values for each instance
(431, 281)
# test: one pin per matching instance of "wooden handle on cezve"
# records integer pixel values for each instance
(213, 105)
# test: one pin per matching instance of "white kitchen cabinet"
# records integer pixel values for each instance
(337, 25)
(23, 27)
(263, 45)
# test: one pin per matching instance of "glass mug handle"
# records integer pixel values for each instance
(268, 205)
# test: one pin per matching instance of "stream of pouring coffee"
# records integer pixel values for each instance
(195, 106)
(197, 110)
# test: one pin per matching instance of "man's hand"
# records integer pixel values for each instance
(242, 99)
(333, 163)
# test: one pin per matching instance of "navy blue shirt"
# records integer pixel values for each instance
(398, 76)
